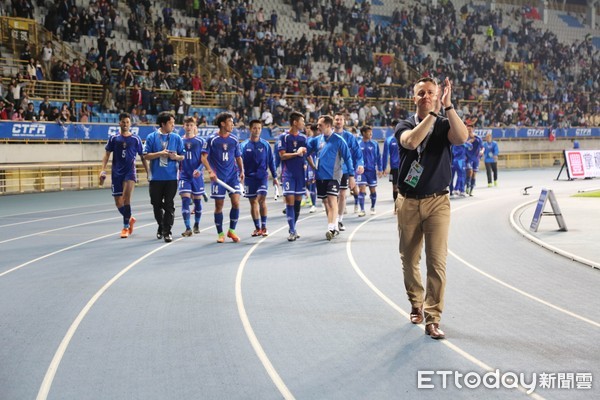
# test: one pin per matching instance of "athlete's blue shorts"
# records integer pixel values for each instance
(218, 192)
(255, 186)
(293, 186)
(367, 178)
(473, 164)
(195, 186)
(117, 182)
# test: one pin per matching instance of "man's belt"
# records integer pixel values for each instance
(423, 196)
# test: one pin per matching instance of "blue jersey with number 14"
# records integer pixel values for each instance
(222, 152)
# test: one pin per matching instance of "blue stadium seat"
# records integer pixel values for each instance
(570, 21)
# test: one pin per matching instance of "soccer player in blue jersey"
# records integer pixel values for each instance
(311, 183)
(459, 161)
(164, 149)
(191, 176)
(220, 155)
(292, 149)
(258, 161)
(474, 153)
(372, 160)
(125, 147)
(390, 149)
(330, 151)
(357, 161)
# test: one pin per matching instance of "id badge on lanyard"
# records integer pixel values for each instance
(416, 169)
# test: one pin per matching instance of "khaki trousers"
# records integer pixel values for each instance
(427, 219)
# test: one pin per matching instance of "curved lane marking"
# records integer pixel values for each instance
(397, 308)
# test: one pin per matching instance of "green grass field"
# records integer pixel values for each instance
(595, 193)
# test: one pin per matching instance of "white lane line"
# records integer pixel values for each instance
(57, 217)
(64, 344)
(65, 249)
(52, 210)
(397, 308)
(63, 228)
(514, 288)
(524, 293)
(239, 299)
(543, 244)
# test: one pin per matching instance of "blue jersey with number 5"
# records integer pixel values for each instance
(125, 150)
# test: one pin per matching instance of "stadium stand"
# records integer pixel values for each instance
(325, 56)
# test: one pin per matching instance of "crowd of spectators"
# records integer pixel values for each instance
(470, 45)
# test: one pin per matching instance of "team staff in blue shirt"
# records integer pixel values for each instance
(164, 149)
(423, 207)
(330, 151)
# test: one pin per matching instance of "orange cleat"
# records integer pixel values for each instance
(131, 223)
(221, 238)
(124, 233)
(231, 234)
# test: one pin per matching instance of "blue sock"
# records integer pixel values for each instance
(126, 214)
(122, 212)
(197, 210)
(234, 214)
(361, 201)
(185, 211)
(256, 223)
(297, 208)
(289, 212)
(219, 222)
(355, 199)
(313, 195)
(373, 199)
(263, 221)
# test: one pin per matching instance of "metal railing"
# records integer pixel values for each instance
(17, 179)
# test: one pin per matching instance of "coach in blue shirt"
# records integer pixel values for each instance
(164, 149)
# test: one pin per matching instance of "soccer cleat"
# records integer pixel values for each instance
(257, 232)
(341, 226)
(313, 209)
(495, 183)
(131, 222)
(124, 233)
(489, 185)
(356, 209)
(221, 238)
(196, 228)
(159, 234)
(187, 233)
(373, 212)
(264, 232)
(231, 234)
(362, 213)
(292, 237)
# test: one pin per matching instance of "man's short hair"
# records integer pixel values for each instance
(427, 79)
(163, 118)
(222, 117)
(365, 128)
(254, 121)
(124, 115)
(340, 113)
(189, 119)
(295, 116)
(327, 119)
